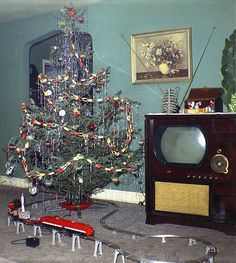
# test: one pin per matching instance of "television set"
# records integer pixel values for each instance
(190, 170)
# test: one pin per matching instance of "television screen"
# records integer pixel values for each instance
(180, 145)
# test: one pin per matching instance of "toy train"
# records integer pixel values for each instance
(72, 227)
(67, 225)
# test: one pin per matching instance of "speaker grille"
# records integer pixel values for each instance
(182, 198)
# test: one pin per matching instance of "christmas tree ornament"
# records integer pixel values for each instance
(141, 142)
(62, 113)
(71, 11)
(18, 149)
(27, 145)
(76, 112)
(98, 166)
(10, 168)
(91, 126)
(80, 180)
(60, 98)
(33, 190)
(61, 23)
(48, 93)
(11, 147)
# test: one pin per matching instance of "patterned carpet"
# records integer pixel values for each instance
(129, 217)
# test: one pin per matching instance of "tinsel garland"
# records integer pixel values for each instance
(110, 143)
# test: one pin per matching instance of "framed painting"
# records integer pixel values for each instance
(162, 56)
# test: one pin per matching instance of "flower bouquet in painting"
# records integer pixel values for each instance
(165, 55)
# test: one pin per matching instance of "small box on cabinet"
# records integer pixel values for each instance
(204, 100)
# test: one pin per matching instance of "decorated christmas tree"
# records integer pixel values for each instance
(82, 138)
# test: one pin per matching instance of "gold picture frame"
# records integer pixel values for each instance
(162, 56)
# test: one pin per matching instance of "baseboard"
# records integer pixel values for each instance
(119, 196)
(14, 181)
(105, 194)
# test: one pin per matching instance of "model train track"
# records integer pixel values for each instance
(86, 232)
(211, 250)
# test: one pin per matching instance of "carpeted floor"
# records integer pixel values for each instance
(129, 217)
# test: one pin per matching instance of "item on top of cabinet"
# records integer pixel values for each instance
(204, 100)
(170, 101)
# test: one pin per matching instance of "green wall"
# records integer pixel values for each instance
(107, 21)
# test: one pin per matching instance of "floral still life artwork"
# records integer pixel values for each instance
(163, 56)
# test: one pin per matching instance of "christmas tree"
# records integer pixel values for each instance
(83, 137)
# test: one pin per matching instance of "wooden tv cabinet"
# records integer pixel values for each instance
(187, 187)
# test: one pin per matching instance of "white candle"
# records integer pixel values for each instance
(22, 203)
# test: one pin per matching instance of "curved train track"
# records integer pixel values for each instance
(86, 232)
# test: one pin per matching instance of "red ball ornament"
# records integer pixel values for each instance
(23, 106)
(92, 126)
(60, 170)
(76, 113)
(108, 99)
(90, 136)
(71, 11)
(98, 165)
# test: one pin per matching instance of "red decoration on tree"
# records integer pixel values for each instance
(76, 113)
(98, 165)
(92, 126)
(23, 106)
(11, 146)
(71, 11)
(90, 136)
(60, 170)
